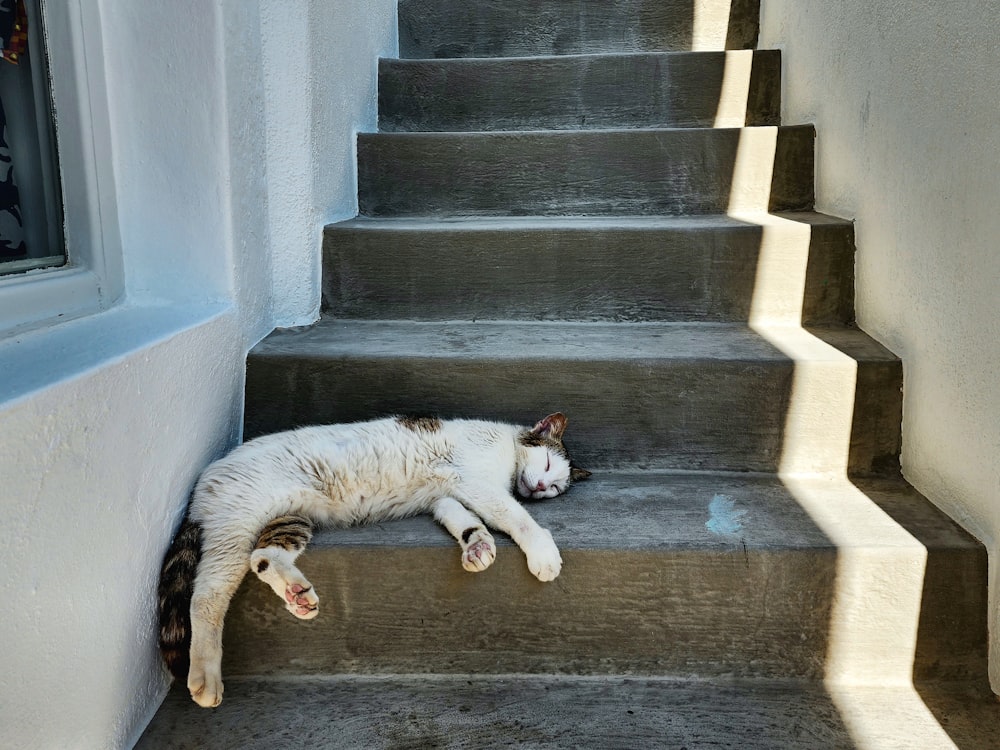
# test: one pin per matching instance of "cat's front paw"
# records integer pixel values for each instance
(544, 560)
(205, 685)
(480, 552)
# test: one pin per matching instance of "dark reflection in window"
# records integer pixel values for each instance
(30, 201)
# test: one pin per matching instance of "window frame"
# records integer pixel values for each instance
(93, 277)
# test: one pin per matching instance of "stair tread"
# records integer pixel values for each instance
(604, 223)
(580, 135)
(715, 575)
(673, 511)
(569, 340)
(561, 712)
(568, 59)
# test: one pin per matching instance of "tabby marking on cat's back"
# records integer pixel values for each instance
(255, 510)
(421, 424)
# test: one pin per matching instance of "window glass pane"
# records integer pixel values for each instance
(31, 234)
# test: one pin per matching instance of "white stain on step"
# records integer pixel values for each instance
(724, 518)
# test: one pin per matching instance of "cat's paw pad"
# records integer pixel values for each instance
(205, 686)
(544, 560)
(301, 601)
(480, 553)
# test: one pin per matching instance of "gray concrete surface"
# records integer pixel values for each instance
(669, 396)
(621, 713)
(639, 269)
(481, 28)
(600, 172)
(580, 92)
(724, 583)
(716, 576)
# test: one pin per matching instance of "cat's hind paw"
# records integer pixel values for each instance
(276, 567)
(480, 551)
(205, 686)
(301, 601)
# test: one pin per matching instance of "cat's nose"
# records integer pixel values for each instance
(540, 486)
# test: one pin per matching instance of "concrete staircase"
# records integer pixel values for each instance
(592, 207)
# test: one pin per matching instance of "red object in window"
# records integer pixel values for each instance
(15, 46)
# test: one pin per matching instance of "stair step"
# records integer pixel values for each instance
(670, 396)
(679, 89)
(706, 575)
(516, 28)
(794, 267)
(610, 713)
(598, 172)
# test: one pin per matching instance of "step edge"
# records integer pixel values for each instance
(569, 222)
(499, 61)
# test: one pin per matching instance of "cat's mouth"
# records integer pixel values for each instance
(524, 489)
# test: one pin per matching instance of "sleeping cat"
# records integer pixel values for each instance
(255, 509)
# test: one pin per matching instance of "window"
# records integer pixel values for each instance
(31, 224)
(71, 263)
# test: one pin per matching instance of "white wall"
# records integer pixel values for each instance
(319, 85)
(904, 97)
(106, 420)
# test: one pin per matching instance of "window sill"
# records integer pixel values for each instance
(34, 360)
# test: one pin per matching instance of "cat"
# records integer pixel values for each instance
(255, 508)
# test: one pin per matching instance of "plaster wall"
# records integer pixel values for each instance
(903, 97)
(106, 420)
(319, 81)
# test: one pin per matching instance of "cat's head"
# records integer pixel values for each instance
(544, 467)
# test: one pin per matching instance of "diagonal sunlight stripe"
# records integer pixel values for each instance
(874, 727)
(735, 90)
(710, 24)
(874, 616)
(753, 168)
(879, 585)
(782, 262)
(876, 601)
(880, 566)
(820, 414)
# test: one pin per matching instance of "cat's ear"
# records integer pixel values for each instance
(576, 473)
(552, 426)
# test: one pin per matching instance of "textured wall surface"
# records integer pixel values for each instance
(903, 98)
(319, 81)
(224, 171)
(95, 472)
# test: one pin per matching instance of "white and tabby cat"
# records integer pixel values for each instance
(255, 508)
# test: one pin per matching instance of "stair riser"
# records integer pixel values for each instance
(727, 612)
(664, 414)
(668, 90)
(595, 273)
(417, 611)
(480, 28)
(600, 173)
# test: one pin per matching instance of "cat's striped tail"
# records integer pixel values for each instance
(175, 591)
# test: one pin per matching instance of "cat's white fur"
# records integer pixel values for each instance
(462, 471)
